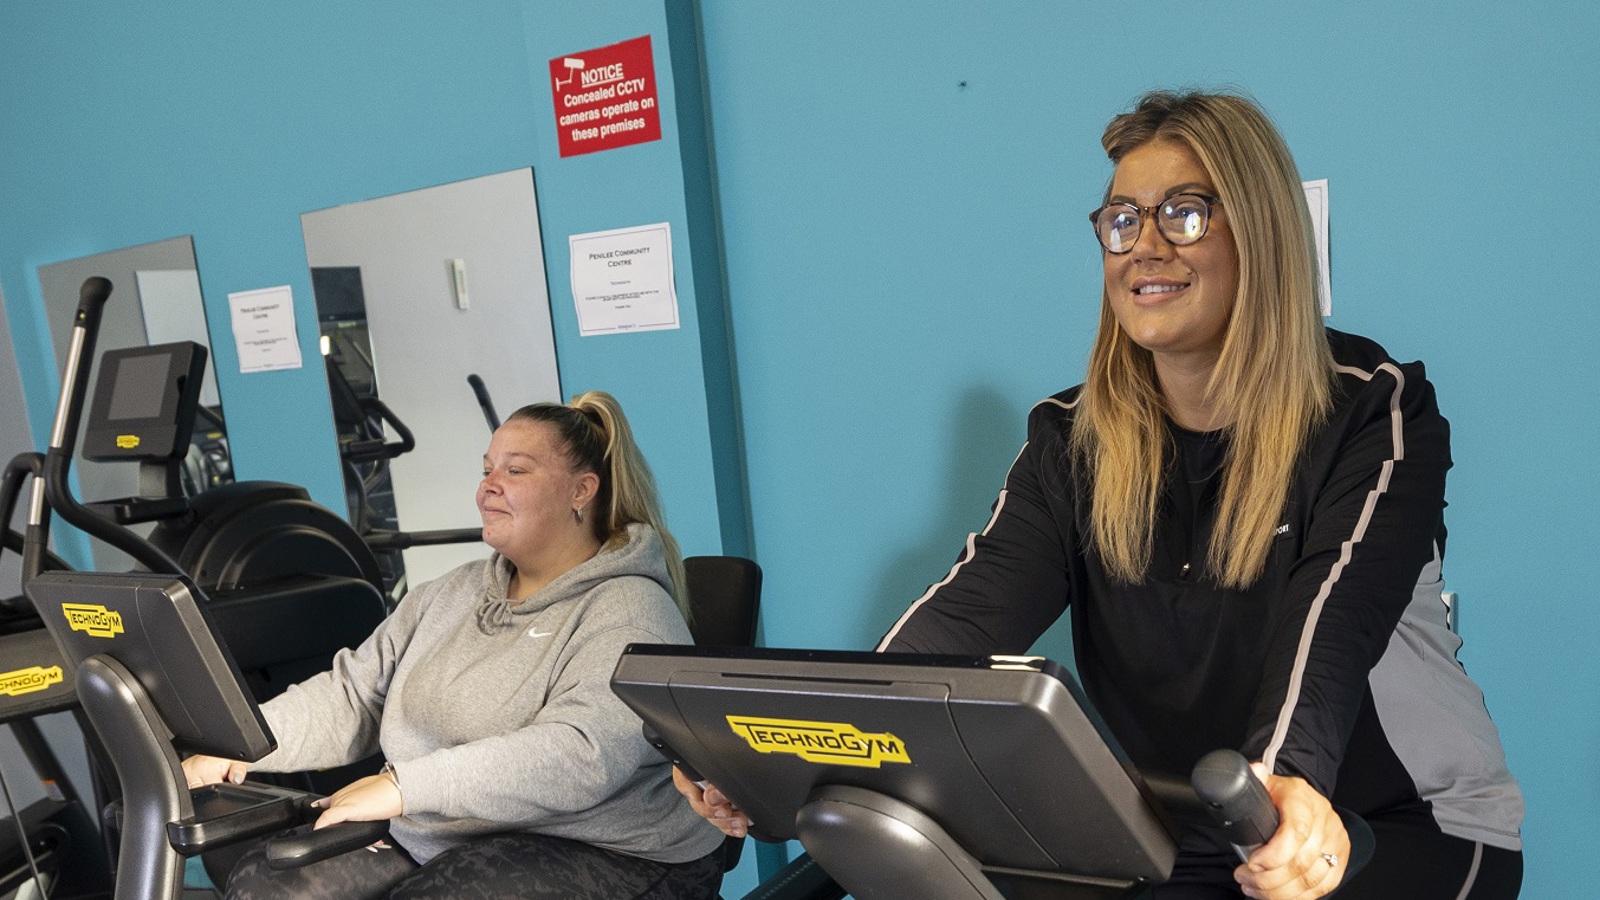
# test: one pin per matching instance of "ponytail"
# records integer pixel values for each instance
(599, 440)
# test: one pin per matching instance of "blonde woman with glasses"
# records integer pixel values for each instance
(1242, 512)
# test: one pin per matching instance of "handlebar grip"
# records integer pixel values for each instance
(93, 295)
(1236, 799)
(660, 743)
(295, 850)
(481, 391)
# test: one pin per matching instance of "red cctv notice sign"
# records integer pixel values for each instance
(606, 97)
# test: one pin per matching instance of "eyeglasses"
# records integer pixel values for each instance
(1181, 219)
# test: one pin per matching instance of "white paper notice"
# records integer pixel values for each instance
(263, 329)
(1317, 200)
(622, 280)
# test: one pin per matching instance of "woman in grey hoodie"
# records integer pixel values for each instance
(513, 769)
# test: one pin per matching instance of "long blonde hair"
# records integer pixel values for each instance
(598, 439)
(1274, 378)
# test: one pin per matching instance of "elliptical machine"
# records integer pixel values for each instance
(362, 420)
(289, 583)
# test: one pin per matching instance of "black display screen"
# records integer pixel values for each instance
(135, 387)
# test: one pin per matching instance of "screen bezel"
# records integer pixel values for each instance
(164, 435)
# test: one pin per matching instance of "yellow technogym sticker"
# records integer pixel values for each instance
(820, 742)
(96, 621)
(127, 441)
(26, 681)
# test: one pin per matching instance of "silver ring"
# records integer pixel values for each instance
(1331, 859)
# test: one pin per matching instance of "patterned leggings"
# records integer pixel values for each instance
(503, 865)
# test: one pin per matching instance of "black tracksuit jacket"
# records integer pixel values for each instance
(1335, 665)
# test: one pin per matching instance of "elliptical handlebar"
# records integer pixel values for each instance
(376, 448)
(408, 441)
(481, 391)
(64, 437)
(34, 545)
(92, 299)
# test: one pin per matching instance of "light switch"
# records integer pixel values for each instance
(458, 280)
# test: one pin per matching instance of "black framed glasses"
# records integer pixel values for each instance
(1181, 219)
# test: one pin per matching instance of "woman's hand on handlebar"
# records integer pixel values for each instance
(1307, 856)
(712, 805)
(201, 770)
(363, 800)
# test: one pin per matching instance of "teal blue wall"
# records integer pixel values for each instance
(910, 269)
(227, 125)
(902, 189)
(188, 120)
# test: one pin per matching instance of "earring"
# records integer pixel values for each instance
(577, 515)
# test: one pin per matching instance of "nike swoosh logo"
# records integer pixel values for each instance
(534, 632)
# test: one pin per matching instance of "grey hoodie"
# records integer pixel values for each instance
(499, 716)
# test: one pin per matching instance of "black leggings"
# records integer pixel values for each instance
(502, 865)
(1408, 863)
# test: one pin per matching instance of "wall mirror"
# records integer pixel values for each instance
(155, 299)
(15, 437)
(416, 292)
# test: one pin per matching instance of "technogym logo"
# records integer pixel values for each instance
(96, 621)
(820, 742)
(29, 680)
